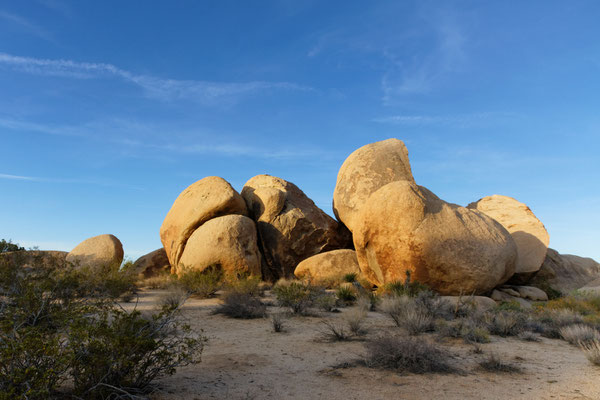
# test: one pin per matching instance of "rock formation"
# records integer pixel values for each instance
(97, 252)
(366, 170)
(454, 250)
(565, 272)
(206, 199)
(152, 264)
(290, 226)
(528, 232)
(329, 266)
(228, 241)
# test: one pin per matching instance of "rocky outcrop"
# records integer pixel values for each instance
(97, 252)
(565, 272)
(366, 170)
(528, 232)
(328, 267)
(152, 264)
(228, 241)
(290, 226)
(454, 250)
(208, 198)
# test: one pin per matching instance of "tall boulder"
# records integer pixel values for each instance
(454, 250)
(366, 170)
(328, 267)
(229, 241)
(566, 272)
(290, 226)
(527, 230)
(97, 252)
(152, 264)
(208, 198)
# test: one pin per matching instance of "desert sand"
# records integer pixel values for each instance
(245, 359)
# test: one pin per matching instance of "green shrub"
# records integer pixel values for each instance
(350, 277)
(203, 283)
(346, 294)
(326, 302)
(296, 295)
(406, 288)
(116, 351)
(512, 305)
(241, 305)
(6, 246)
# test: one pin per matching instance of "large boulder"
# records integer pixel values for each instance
(290, 226)
(206, 199)
(152, 264)
(35, 258)
(566, 272)
(366, 170)
(328, 267)
(528, 232)
(403, 227)
(228, 241)
(97, 252)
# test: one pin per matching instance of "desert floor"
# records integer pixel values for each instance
(245, 359)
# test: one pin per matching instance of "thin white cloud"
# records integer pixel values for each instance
(458, 120)
(68, 181)
(26, 25)
(205, 92)
(17, 177)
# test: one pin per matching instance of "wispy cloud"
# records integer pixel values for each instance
(131, 134)
(79, 181)
(205, 92)
(26, 25)
(419, 72)
(58, 6)
(458, 120)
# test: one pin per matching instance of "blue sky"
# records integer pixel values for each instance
(109, 109)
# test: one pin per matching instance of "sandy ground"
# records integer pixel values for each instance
(245, 359)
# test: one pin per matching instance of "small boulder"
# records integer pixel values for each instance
(97, 252)
(228, 241)
(366, 170)
(500, 297)
(328, 267)
(152, 264)
(528, 232)
(531, 293)
(454, 250)
(290, 226)
(201, 201)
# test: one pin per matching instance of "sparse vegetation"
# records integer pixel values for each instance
(592, 351)
(241, 305)
(407, 354)
(505, 323)
(6, 246)
(346, 294)
(296, 295)
(579, 334)
(326, 302)
(406, 288)
(278, 321)
(203, 283)
(408, 314)
(529, 336)
(350, 277)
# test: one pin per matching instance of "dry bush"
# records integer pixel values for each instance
(576, 334)
(355, 320)
(505, 323)
(407, 354)
(467, 329)
(241, 305)
(326, 302)
(408, 314)
(174, 298)
(592, 351)
(350, 325)
(203, 283)
(298, 296)
(555, 319)
(162, 281)
(494, 364)
(529, 336)
(336, 331)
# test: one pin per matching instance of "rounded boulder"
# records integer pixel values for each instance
(97, 252)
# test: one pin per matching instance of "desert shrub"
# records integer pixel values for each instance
(278, 321)
(433, 305)
(554, 320)
(505, 323)
(174, 297)
(467, 329)
(512, 305)
(576, 334)
(336, 331)
(581, 303)
(203, 283)
(529, 336)
(116, 352)
(355, 320)
(494, 364)
(406, 288)
(408, 314)
(346, 294)
(251, 285)
(592, 351)
(6, 246)
(296, 295)
(241, 305)
(162, 281)
(407, 354)
(326, 302)
(350, 277)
